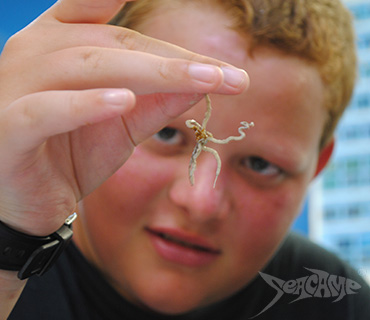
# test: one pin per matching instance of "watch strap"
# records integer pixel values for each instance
(31, 255)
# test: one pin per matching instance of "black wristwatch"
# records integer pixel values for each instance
(31, 255)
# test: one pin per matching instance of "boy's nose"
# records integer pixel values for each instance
(201, 201)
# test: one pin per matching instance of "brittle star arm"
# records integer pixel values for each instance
(207, 115)
(199, 147)
(218, 160)
(245, 125)
(193, 160)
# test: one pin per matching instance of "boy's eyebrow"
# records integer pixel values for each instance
(288, 156)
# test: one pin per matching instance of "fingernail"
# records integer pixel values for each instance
(116, 96)
(235, 77)
(204, 73)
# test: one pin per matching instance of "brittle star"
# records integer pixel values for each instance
(203, 136)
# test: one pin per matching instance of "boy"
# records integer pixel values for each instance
(147, 244)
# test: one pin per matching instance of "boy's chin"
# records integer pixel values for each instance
(172, 306)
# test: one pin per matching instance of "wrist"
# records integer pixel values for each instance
(10, 290)
(30, 226)
(9, 281)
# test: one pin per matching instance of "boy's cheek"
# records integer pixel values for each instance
(142, 173)
(270, 211)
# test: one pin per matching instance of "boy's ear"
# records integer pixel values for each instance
(324, 156)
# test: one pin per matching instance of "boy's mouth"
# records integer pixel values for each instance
(184, 242)
(180, 242)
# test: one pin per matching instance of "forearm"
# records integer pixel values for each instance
(10, 290)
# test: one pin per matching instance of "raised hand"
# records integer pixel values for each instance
(65, 124)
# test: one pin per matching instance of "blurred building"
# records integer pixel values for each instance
(339, 202)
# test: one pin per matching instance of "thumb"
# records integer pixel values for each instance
(86, 11)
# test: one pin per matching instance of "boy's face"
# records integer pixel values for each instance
(217, 239)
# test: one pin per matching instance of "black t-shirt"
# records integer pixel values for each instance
(302, 281)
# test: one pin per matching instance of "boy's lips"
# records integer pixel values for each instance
(181, 247)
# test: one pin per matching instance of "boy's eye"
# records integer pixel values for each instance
(261, 166)
(168, 135)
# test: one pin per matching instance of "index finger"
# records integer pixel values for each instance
(98, 12)
(86, 11)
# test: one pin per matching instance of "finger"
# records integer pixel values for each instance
(29, 121)
(108, 36)
(158, 110)
(83, 68)
(89, 11)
